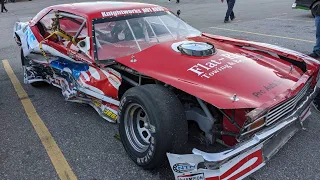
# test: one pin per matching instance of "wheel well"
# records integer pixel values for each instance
(22, 57)
(314, 3)
(131, 78)
(18, 40)
(208, 117)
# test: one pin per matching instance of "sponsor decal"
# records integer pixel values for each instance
(199, 176)
(131, 11)
(236, 168)
(97, 102)
(114, 81)
(110, 114)
(120, 12)
(267, 88)
(74, 55)
(153, 9)
(113, 77)
(149, 154)
(215, 66)
(30, 39)
(116, 73)
(183, 167)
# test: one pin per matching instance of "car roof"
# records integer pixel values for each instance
(93, 10)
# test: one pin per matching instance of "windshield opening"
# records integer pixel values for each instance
(125, 36)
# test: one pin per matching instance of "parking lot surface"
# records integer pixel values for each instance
(87, 141)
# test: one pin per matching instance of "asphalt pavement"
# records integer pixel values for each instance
(87, 141)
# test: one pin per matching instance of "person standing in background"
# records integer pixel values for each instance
(316, 103)
(316, 49)
(230, 13)
(3, 7)
(177, 1)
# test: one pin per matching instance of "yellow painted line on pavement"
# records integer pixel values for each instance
(261, 34)
(59, 162)
(298, 20)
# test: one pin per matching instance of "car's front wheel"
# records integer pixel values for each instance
(152, 122)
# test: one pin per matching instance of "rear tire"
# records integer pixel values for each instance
(152, 122)
(39, 84)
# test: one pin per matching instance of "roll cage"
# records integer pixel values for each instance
(63, 19)
(142, 32)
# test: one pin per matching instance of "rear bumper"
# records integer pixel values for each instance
(245, 158)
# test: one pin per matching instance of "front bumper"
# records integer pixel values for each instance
(246, 157)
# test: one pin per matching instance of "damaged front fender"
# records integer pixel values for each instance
(246, 157)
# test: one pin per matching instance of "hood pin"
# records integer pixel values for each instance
(235, 98)
(133, 59)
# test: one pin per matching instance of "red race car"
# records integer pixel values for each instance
(170, 86)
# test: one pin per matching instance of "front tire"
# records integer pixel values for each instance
(152, 122)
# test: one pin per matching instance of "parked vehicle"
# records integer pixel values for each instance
(166, 83)
(305, 4)
(12, 1)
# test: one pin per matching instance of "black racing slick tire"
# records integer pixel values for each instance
(39, 84)
(152, 122)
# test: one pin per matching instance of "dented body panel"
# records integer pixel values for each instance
(254, 78)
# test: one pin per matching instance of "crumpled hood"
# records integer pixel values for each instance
(231, 78)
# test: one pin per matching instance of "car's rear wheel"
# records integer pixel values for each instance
(152, 122)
